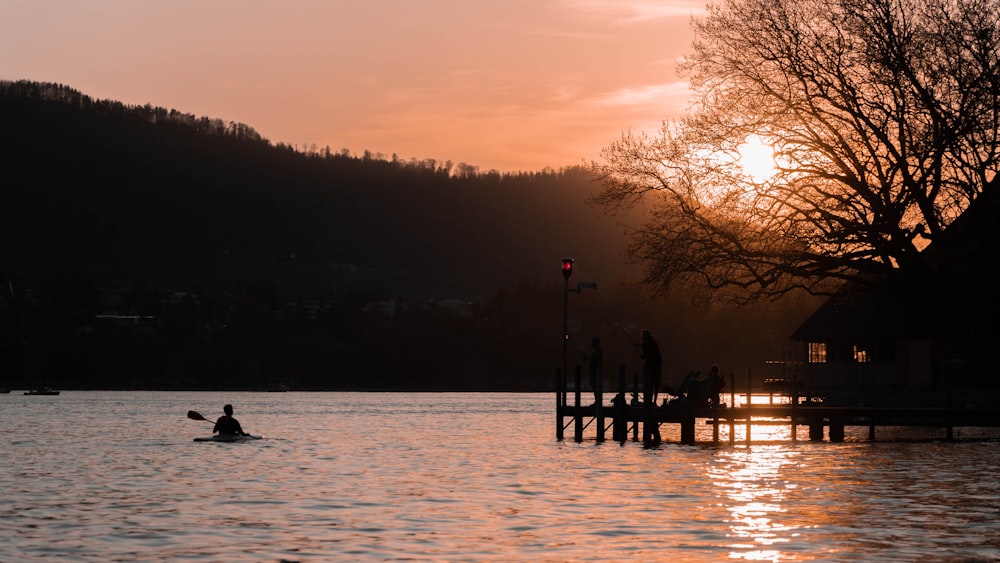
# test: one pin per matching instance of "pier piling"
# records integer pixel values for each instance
(578, 414)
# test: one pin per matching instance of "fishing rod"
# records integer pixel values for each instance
(618, 321)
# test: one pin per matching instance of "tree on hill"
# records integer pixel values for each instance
(884, 121)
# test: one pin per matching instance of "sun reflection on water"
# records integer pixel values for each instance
(754, 482)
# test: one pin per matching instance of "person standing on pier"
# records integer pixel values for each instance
(652, 367)
(596, 359)
(651, 370)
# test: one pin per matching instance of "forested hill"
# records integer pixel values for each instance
(148, 248)
(118, 194)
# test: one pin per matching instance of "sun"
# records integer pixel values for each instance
(757, 159)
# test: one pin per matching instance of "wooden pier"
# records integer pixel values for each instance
(629, 420)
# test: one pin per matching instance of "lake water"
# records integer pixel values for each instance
(116, 476)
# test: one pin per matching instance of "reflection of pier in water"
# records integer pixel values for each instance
(625, 419)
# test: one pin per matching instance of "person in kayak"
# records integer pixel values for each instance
(227, 424)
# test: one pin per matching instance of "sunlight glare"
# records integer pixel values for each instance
(757, 488)
(757, 158)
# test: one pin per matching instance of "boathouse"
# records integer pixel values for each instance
(929, 328)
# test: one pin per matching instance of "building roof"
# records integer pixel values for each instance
(962, 300)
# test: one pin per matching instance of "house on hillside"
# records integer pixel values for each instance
(939, 330)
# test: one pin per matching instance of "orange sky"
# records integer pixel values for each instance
(507, 85)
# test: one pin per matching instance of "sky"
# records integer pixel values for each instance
(507, 85)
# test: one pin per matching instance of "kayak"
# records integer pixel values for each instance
(227, 438)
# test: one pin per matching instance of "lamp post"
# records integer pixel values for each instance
(567, 271)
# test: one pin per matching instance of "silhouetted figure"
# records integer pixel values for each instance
(596, 358)
(651, 368)
(699, 390)
(684, 392)
(651, 371)
(676, 396)
(717, 384)
(227, 425)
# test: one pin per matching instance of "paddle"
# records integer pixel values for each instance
(193, 415)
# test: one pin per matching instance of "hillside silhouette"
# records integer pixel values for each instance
(240, 263)
(117, 192)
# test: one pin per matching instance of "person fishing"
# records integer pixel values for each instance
(227, 425)
(652, 367)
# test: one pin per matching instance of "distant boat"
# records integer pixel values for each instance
(279, 388)
(4, 390)
(42, 391)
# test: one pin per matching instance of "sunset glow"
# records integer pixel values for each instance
(509, 86)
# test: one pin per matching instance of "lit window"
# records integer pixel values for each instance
(861, 355)
(817, 352)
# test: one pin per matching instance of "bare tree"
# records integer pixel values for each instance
(883, 116)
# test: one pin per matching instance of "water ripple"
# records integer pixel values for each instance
(461, 477)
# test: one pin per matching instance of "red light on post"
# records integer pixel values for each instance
(567, 267)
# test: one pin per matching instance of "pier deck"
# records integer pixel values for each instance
(628, 420)
(632, 421)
